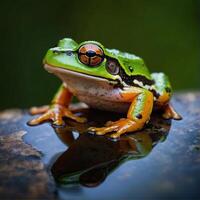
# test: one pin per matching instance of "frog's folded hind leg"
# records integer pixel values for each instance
(163, 94)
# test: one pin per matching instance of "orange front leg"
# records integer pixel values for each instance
(138, 114)
(57, 110)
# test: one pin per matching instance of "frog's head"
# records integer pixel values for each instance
(93, 59)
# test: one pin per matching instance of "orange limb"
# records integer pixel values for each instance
(138, 114)
(57, 110)
(164, 91)
(170, 113)
(39, 110)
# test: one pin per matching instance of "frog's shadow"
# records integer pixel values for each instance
(89, 159)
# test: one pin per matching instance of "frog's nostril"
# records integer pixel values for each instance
(90, 53)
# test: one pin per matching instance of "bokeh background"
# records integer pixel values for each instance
(165, 33)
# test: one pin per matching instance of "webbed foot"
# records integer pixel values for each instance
(55, 113)
(120, 127)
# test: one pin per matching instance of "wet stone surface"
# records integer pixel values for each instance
(160, 162)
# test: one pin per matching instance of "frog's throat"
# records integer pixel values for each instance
(59, 70)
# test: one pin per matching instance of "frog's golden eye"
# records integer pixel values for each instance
(91, 54)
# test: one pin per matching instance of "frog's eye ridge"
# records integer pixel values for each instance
(90, 54)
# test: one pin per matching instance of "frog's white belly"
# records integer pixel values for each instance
(94, 91)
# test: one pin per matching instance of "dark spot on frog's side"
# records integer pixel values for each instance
(130, 68)
(168, 90)
(139, 116)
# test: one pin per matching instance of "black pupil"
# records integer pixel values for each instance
(90, 53)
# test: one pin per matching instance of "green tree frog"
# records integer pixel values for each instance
(106, 79)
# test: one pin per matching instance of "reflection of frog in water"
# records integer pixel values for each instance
(89, 159)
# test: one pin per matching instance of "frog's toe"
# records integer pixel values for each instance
(119, 127)
(39, 110)
(170, 113)
(58, 120)
(125, 126)
(70, 115)
(121, 131)
(102, 130)
(40, 119)
(56, 114)
(33, 122)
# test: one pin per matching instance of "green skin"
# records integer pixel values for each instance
(145, 90)
(58, 57)
(72, 62)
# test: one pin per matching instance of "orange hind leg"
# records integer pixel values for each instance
(164, 91)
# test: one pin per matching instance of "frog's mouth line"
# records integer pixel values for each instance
(56, 70)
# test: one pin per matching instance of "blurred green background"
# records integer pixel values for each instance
(165, 33)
